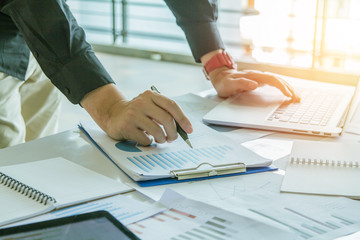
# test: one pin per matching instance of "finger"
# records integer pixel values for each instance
(163, 118)
(141, 137)
(271, 80)
(174, 110)
(136, 134)
(148, 125)
(295, 95)
(240, 84)
(283, 86)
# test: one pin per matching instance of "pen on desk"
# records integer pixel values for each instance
(181, 131)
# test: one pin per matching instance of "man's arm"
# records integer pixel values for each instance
(198, 21)
(59, 46)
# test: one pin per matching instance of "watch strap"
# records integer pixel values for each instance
(221, 59)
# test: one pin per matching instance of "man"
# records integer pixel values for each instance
(28, 101)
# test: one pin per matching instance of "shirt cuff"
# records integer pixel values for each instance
(202, 38)
(80, 76)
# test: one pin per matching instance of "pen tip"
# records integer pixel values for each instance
(188, 142)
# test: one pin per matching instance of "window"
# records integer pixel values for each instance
(306, 34)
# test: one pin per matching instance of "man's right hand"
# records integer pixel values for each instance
(146, 117)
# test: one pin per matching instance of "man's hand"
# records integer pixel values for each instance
(228, 82)
(149, 114)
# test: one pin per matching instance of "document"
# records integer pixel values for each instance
(126, 210)
(189, 219)
(270, 148)
(160, 160)
(218, 191)
(313, 217)
(257, 196)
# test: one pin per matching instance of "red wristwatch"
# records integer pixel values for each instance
(219, 60)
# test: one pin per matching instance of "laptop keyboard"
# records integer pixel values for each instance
(315, 108)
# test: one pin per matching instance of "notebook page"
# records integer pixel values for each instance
(15, 206)
(324, 168)
(67, 182)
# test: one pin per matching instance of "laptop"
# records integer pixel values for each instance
(322, 111)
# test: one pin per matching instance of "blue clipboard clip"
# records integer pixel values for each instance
(214, 170)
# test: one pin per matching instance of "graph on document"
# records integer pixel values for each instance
(179, 159)
(308, 225)
(176, 224)
(215, 228)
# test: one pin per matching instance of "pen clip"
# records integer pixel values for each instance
(154, 89)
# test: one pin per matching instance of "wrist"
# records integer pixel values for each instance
(100, 104)
(215, 60)
(204, 59)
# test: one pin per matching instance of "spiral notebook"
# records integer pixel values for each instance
(324, 168)
(30, 189)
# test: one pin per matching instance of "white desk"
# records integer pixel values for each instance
(75, 146)
(72, 145)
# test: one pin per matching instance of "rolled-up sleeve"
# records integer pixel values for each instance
(58, 44)
(197, 18)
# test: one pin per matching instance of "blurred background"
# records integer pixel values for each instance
(303, 38)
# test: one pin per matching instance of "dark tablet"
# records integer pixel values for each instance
(95, 225)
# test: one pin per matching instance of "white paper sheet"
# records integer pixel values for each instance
(219, 189)
(126, 210)
(261, 193)
(270, 148)
(189, 219)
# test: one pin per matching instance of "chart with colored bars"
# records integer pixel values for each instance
(189, 219)
(185, 227)
(216, 228)
(179, 159)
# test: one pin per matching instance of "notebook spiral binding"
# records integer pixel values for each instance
(325, 162)
(25, 190)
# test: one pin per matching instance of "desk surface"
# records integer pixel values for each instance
(72, 145)
(75, 146)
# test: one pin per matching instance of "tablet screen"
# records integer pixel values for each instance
(99, 228)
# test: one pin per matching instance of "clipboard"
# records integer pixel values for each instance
(191, 174)
(163, 181)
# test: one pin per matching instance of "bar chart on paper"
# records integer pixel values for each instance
(186, 227)
(156, 161)
(328, 221)
(179, 159)
(190, 220)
